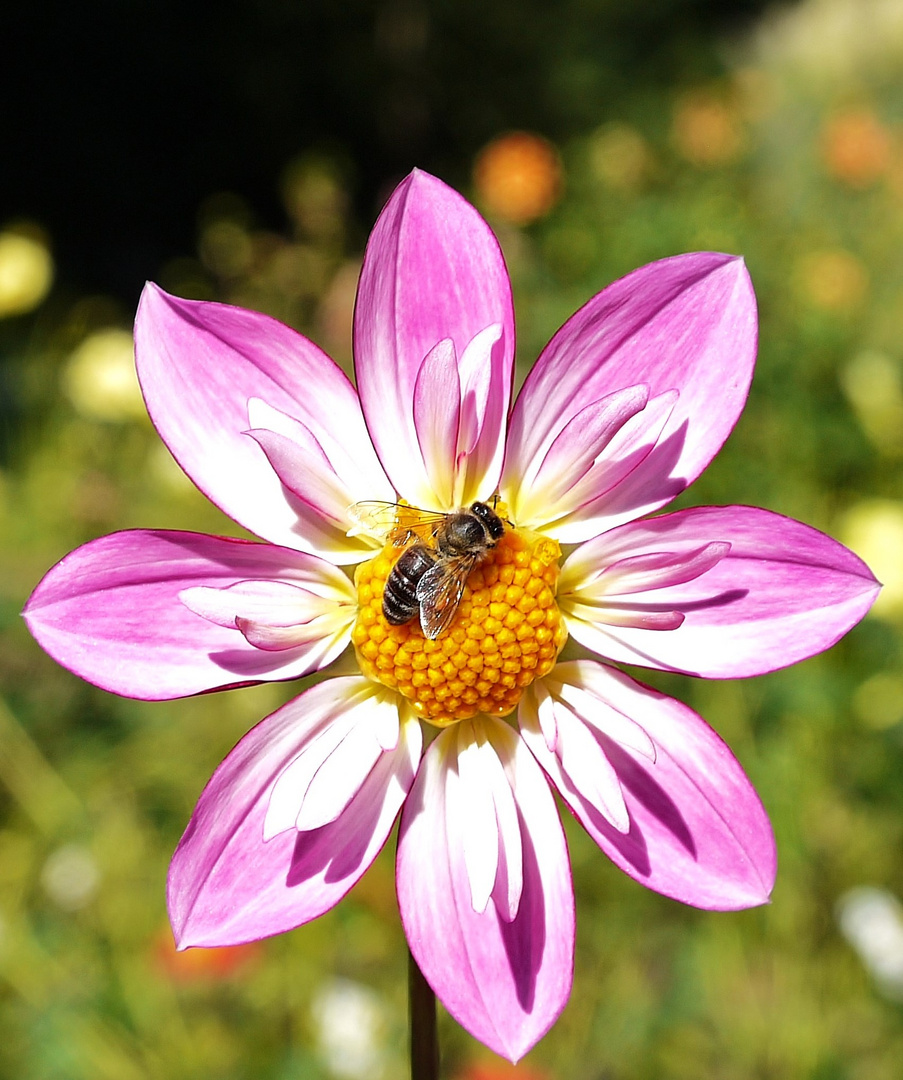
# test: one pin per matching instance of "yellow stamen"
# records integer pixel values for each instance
(507, 632)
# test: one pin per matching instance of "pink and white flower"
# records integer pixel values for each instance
(625, 407)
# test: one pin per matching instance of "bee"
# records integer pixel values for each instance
(430, 574)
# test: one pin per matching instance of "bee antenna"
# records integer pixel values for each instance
(495, 501)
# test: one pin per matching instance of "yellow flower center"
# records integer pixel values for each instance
(506, 632)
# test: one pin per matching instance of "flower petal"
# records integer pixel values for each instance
(573, 453)
(319, 783)
(200, 364)
(228, 886)
(433, 271)
(686, 323)
(111, 612)
(505, 982)
(782, 593)
(437, 413)
(278, 603)
(698, 832)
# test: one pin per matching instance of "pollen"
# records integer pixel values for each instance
(506, 632)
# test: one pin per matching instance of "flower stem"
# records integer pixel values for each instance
(424, 1038)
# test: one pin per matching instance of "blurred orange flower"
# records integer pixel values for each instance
(196, 965)
(856, 147)
(518, 176)
(706, 130)
(501, 1070)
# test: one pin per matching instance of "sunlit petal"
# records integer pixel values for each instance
(697, 830)
(226, 885)
(432, 272)
(199, 365)
(506, 982)
(783, 592)
(686, 323)
(111, 612)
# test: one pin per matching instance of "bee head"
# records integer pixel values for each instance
(490, 520)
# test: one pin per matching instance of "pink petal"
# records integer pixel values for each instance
(584, 510)
(278, 638)
(200, 364)
(309, 476)
(686, 323)
(314, 788)
(656, 570)
(279, 603)
(783, 593)
(432, 271)
(572, 454)
(505, 982)
(698, 832)
(437, 412)
(111, 613)
(228, 886)
(484, 804)
(584, 762)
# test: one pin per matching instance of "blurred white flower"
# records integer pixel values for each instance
(70, 877)
(832, 39)
(871, 920)
(349, 1024)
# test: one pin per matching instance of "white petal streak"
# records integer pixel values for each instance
(587, 768)
(585, 717)
(277, 638)
(585, 510)
(277, 603)
(339, 777)
(584, 437)
(471, 803)
(606, 719)
(482, 808)
(307, 473)
(636, 616)
(356, 468)
(655, 570)
(437, 410)
(475, 373)
(335, 759)
(509, 882)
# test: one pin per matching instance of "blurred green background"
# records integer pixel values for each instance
(244, 159)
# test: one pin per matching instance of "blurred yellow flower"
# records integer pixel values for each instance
(872, 382)
(833, 280)
(878, 702)
(26, 271)
(518, 176)
(100, 378)
(619, 156)
(874, 530)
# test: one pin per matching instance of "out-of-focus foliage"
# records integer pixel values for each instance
(794, 158)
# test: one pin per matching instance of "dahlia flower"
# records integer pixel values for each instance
(467, 734)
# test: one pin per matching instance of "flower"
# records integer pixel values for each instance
(625, 407)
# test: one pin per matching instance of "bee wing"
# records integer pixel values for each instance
(439, 592)
(397, 522)
(375, 518)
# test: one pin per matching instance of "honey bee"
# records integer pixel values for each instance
(440, 550)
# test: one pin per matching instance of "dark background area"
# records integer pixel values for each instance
(121, 116)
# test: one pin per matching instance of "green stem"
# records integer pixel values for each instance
(424, 1037)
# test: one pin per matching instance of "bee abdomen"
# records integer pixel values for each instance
(400, 603)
